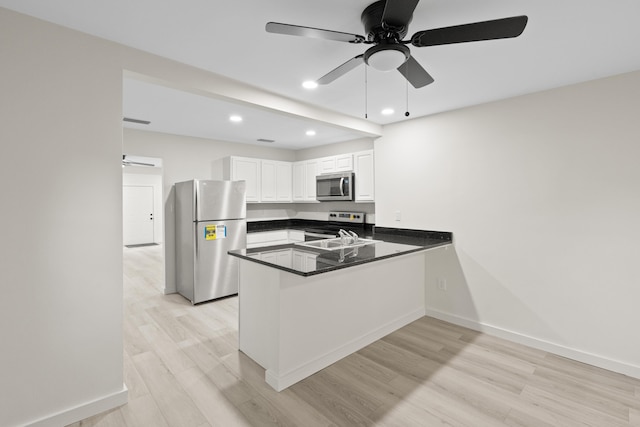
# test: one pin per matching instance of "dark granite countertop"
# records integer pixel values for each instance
(308, 261)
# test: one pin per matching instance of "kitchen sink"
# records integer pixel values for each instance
(336, 244)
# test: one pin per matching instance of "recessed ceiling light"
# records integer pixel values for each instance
(388, 111)
(310, 84)
(235, 119)
(311, 133)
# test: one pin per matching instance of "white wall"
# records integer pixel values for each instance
(361, 144)
(187, 158)
(542, 193)
(61, 245)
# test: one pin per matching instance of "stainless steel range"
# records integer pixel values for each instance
(352, 221)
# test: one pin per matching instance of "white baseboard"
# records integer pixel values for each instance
(86, 410)
(570, 353)
(282, 381)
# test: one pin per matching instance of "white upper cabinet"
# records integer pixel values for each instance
(340, 163)
(304, 180)
(276, 181)
(298, 181)
(327, 165)
(245, 169)
(364, 171)
(273, 181)
(310, 173)
(344, 163)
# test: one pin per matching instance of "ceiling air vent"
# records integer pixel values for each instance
(266, 140)
(129, 119)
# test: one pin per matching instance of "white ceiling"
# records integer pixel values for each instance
(565, 42)
(181, 113)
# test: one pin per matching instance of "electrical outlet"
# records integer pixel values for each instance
(442, 284)
(398, 216)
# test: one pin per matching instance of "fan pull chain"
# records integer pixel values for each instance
(366, 103)
(406, 86)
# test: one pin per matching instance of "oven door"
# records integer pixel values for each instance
(334, 187)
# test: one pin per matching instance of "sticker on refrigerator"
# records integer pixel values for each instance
(214, 232)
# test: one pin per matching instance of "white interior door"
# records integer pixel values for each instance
(137, 214)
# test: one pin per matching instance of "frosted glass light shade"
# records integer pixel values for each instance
(387, 60)
(386, 57)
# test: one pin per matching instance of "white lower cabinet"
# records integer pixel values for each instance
(267, 238)
(274, 237)
(295, 236)
(304, 261)
(298, 260)
(281, 257)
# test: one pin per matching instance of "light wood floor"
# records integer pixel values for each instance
(183, 368)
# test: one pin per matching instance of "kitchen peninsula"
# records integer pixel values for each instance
(303, 307)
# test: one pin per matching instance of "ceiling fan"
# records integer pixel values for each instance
(386, 23)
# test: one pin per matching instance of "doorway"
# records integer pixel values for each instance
(137, 215)
(142, 206)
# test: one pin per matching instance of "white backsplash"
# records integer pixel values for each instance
(272, 211)
(310, 211)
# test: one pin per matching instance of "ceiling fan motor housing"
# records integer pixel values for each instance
(375, 30)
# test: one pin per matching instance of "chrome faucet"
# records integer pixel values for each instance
(344, 237)
(348, 237)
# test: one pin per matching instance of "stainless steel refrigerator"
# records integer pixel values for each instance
(210, 220)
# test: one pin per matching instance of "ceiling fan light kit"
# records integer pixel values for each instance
(384, 57)
(386, 23)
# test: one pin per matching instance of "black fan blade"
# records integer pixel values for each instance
(477, 31)
(398, 13)
(341, 70)
(296, 30)
(413, 71)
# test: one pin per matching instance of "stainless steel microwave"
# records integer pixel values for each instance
(337, 186)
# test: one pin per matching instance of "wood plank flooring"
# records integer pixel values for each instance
(183, 368)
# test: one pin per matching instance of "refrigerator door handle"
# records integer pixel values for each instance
(196, 240)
